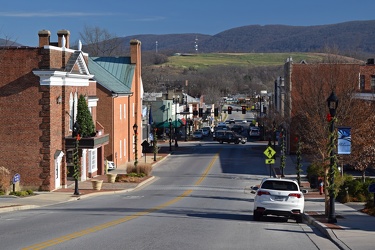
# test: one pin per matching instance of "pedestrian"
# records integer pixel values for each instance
(151, 138)
(321, 184)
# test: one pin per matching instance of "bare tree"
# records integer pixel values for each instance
(99, 42)
(363, 134)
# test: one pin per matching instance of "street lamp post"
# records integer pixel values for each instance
(76, 162)
(175, 101)
(155, 145)
(332, 102)
(170, 134)
(135, 128)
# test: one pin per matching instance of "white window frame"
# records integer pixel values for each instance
(120, 112)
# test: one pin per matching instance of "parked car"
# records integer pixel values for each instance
(111, 165)
(254, 131)
(280, 197)
(229, 136)
(237, 128)
(206, 131)
(198, 134)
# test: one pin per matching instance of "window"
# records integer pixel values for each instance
(92, 161)
(362, 82)
(124, 111)
(73, 101)
(373, 82)
(133, 109)
(120, 112)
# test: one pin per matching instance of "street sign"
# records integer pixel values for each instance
(270, 161)
(371, 188)
(269, 152)
(16, 178)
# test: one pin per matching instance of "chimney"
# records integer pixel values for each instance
(60, 35)
(44, 37)
(135, 51)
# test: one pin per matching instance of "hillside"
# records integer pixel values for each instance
(356, 37)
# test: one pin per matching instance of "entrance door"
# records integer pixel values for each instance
(58, 158)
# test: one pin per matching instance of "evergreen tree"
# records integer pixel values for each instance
(84, 118)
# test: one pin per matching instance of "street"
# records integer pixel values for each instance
(199, 199)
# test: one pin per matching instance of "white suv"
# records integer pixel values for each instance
(281, 197)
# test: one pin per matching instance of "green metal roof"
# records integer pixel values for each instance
(113, 73)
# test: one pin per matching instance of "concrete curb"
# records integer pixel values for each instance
(326, 231)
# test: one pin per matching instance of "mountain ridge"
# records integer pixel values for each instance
(354, 36)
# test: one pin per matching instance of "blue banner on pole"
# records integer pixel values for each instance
(150, 119)
(344, 141)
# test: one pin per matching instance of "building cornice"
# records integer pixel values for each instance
(61, 78)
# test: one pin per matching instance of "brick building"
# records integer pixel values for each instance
(120, 91)
(300, 78)
(39, 89)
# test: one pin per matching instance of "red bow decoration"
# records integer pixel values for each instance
(78, 137)
(329, 117)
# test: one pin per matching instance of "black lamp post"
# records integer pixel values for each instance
(76, 162)
(332, 102)
(175, 101)
(135, 129)
(170, 134)
(155, 143)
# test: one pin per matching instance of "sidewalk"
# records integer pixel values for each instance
(353, 230)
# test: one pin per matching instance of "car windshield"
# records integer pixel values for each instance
(280, 185)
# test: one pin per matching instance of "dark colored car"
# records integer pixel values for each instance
(237, 129)
(229, 136)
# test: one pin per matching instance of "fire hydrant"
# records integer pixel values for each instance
(321, 187)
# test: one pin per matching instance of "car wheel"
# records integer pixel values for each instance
(243, 142)
(221, 142)
(257, 216)
(299, 218)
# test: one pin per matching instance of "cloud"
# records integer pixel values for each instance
(51, 14)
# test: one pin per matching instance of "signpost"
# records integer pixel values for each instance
(269, 153)
(16, 179)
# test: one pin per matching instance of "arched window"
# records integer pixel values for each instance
(73, 101)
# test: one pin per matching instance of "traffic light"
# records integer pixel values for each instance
(195, 112)
(216, 112)
(229, 110)
(200, 112)
(243, 109)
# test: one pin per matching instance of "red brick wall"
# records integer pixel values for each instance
(104, 117)
(32, 124)
(20, 115)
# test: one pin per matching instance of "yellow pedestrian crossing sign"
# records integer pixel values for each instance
(269, 152)
(270, 161)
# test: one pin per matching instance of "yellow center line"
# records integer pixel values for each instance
(94, 229)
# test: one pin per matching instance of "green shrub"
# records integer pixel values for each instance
(354, 190)
(20, 193)
(314, 171)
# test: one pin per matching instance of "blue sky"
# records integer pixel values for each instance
(20, 20)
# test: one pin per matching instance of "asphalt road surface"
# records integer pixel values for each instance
(199, 199)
